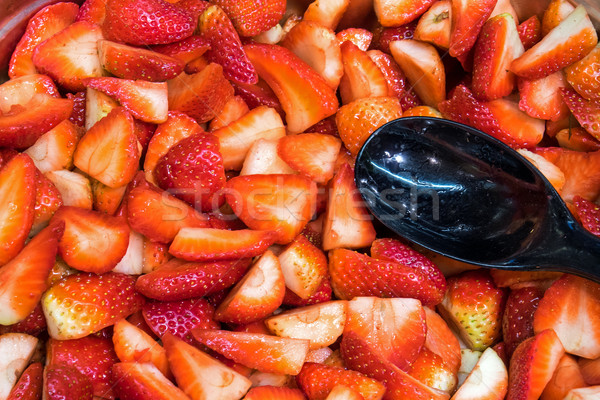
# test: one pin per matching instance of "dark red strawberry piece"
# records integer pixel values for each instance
(66, 382)
(29, 386)
(517, 322)
(530, 31)
(383, 36)
(588, 213)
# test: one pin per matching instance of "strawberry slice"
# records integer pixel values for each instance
(570, 41)
(530, 31)
(273, 393)
(225, 45)
(584, 75)
(54, 149)
(256, 295)
(517, 322)
(43, 25)
(33, 324)
(318, 380)
(85, 303)
(498, 45)
(590, 369)
(201, 95)
(322, 294)
(435, 25)
(75, 189)
(542, 98)
(109, 151)
(430, 369)
(440, 339)
(382, 37)
(327, 13)
(47, 201)
(201, 376)
(179, 317)
(360, 37)
(179, 280)
(468, 17)
(234, 109)
(93, 11)
(577, 139)
(362, 77)
(587, 112)
(567, 376)
(185, 50)
(91, 356)
(474, 305)
(304, 95)
(588, 214)
(312, 154)
(92, 241)
(144, 22)
(304, 266)
(136, 380)
(23, 279)
(581, 173)
(29, 386)
(263, 352)
(396, 13)
(554, 14)
(488, 380)
(17, 202)
(251, 18)
(575, 303)
(257, 95)
(134, 63)
(193, 171)
(71, 55)
(532, 365)
(65, 381)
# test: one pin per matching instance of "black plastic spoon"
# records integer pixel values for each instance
(459, 192)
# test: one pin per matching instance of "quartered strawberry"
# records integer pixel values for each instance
(431, 369)
(85, 303)
(542, 98)
(578, 139)
(226, 47)
(44, 24)
(146, 22)
(193, 171)
(530, 31)
(322, 294)
(488, 380)
(71, 55)
(567, 376)
(234, 109)
(435, 25)
(253, 17)
(179, 280)
(134, 63)
(179, 317)
(274, 393)
(280, 202)
(468, 17)
(475, 305)
(201, 95)
(263, 352)
(588, 214)
(587, 112)
(256, 95)
(33, 324)
(29, 386)
(65, 381)
(202, 376)
(312, 154)
(440, 339)
(47, 200)
(517, 322)
(498, 45)
(569, 42)
(382, 37)
(360, 37)
(532, 365)
(304, 95)
(304, 266)
(109, 151)
(362, 77)
(185, 50)
(54, 149)
(584, 75)
(135, 380)
(91, 356)
(318, 380)
(326, 13)
(397, 13)
(570, 307)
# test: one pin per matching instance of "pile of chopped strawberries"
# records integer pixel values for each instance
(179, 218)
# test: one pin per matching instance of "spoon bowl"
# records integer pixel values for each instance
(458, 191)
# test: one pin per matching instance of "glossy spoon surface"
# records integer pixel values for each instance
(459, 192)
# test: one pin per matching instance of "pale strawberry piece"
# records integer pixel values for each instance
(263, 158)
(587, 112)
(590, 369)
(362, 77)
(234, 109)
(554, 14)
(326, 13)
(54, 149)
(274, 393)
(256, 295)
(569, 42)
(587, 393)
(61, 381)
(430, 369)
(304, 95)
(533, 364)
(29, 385)
(75, 189)
(139, 380)
(434, 26)
(578, 139)
(570, 307)
(341, 392)
(530, 31)
(251, 18)
(441, 340)
(83, 304)
(541, 98)
(201, 95)
(43, 25)
(311, 154)
(18, 349)
(360, 37)
(584, 75)
(487, 381)
(319, 47)
(97, 106)
(263, 352)
(93, 11)
(396, 13)
(468, 17)
(201, 376)
(567, 376)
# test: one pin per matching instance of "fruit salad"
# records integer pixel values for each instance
(179, 218)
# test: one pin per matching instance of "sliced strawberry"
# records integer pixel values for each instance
(541, 98)
(106, 199)
(193, 171)
(360, 37)
(474, 305)
(146, 22)
(185, 50)
(430, 369)
(43, 25)
(498, 45)
(326, 13)
(234, 109)
(179, 317)
(201, 95)
(382, 37)
(578, 139)
(318, 380)
(257, 295)
(33, 324)
(78, 114)
(570, 41)
(135, 380)
(263, 352)
(397, 13)
(588, 214)
(435, 25)
(257, 95)
(304, 95)
(29, 386)
(441, 340)
(517, 322)
(584, 75)
(567, 376)
(201, 376)
(590, 369)
(311, 154)
(251, 18)
(282, 203)
(554, 14)
(93, 11)
(54, 149)
(75, 189)
(322, 294)
(532, 365)
(97, 106)
(47, 201)
(91, 356)
(587, 112)
(178, 280)
(530, 31)
(487, 381)
(154, 255)
(71, 55)
(273, 393)
(575, 303)
(17, 205)
(362, 77)
(226, 47)
(581, 174)
(86, 303)
(65, 381)
(304, 266)
(319, 47)
(468, 17)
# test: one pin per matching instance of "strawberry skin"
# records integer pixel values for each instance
(530, 31)
(588, 214)
(146, 22)
(587, 112)
(517, 322)
(33, 324)
(468, 17)
(252, 17)
(137, 381)
(66, 382)
(584, 75)
(29, 386)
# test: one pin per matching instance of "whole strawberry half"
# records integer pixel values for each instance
(193, 171)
